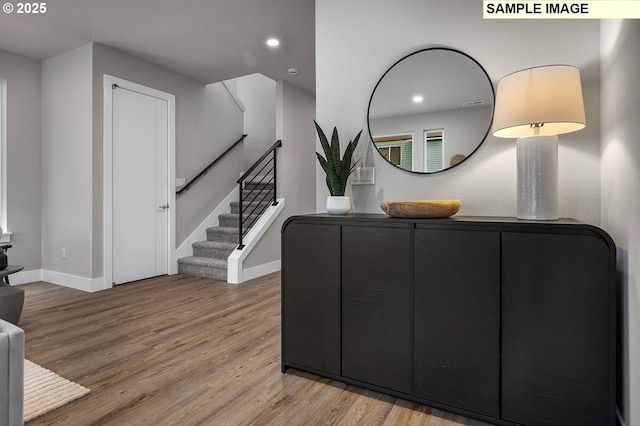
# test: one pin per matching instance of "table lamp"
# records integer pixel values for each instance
(535, 105)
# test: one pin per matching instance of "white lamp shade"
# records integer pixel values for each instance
(549, 98)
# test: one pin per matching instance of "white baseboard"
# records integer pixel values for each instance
(74, 281)
(185, 249)
(24, 277)
(97, 284)
(59, 278)
(260, 270)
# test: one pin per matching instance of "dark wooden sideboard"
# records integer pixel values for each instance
(500, 319)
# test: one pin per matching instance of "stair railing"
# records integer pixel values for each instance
(256, 194)
(209, 167)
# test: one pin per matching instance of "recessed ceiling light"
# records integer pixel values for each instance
(417, 99)
(273, 42)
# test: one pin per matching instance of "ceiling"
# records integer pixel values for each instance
(446, 80)
(208, 40)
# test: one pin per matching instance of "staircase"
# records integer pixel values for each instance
(209, 258)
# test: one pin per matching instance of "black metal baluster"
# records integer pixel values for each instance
(240, 209)
(275, 175)
(246, 177)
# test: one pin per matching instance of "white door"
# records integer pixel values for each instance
(140, 186)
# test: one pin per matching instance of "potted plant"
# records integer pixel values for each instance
(337, 169)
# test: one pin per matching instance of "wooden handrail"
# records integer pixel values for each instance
(206, 169)
(278, 144)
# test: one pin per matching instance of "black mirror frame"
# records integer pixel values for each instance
(482, 140)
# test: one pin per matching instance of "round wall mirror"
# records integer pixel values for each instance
(431, 110)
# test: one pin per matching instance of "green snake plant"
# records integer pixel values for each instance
(336, 169)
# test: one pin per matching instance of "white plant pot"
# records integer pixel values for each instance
(338, 204)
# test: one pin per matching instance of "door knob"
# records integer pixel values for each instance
(164, 206)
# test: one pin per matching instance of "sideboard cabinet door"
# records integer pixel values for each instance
(376, 306)
(457, 318)
(311, 296)
(556, 353)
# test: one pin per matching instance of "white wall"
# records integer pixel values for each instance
(258, 94)
(620, 47)
(23, 165)
(67, 150)
(295, 112)
(353, 51)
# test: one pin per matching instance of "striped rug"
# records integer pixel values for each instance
(45, 391)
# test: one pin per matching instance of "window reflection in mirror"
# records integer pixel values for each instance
(434, 150)
(396, 149)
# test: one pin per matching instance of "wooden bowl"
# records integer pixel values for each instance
(421, 208)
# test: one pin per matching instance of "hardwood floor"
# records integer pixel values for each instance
(181, 350)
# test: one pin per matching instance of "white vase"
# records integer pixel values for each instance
(338, 204)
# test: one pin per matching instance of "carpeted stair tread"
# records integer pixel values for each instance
(257, 195)
(216, 244)
(203, 261)
(266, 184)
(209, 258)
(223, 234)
(232, 219)
(204, 267)
(235, 215)
(213, 249)
(250, 207)
(223, 230)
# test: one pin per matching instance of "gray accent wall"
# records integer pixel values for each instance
(258, 94)
(620, 205)
(24, 159)
(55, 185)
(67, 179)
(295, 111)
(207, 122)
